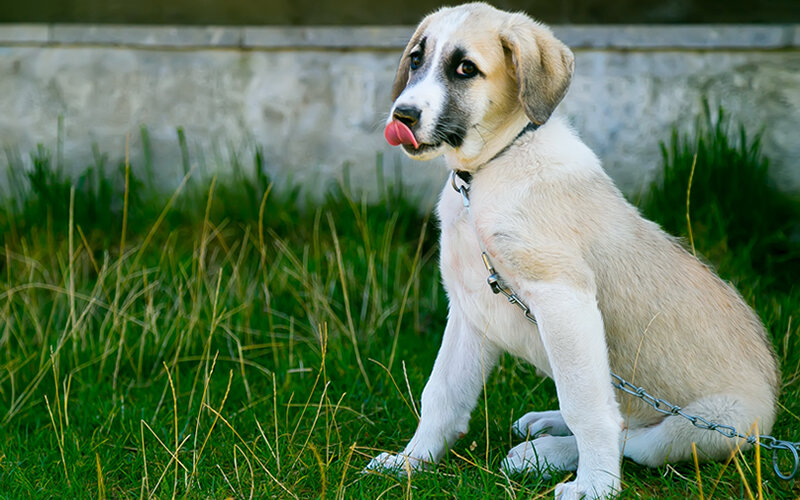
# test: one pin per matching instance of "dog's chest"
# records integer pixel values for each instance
(465, 279)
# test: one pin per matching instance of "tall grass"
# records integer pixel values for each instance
(229, 339)
(738, 215)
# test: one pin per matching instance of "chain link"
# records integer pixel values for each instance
(763, 440)
(660, 405)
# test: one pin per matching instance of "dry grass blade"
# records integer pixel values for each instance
(203, 400)
(249, 468)
(175, 428)
(59, 438)
(411, 279)
(410, 393)
(343, 280)
(402, 396)
(688, 198)
(697, 470)
(322, 470)
(313, 424)
(173, 458)
(341, 489)
(101, 485)
(255, 457)
(145, 476)
(170, 452)
(743, 477)
(760, 486)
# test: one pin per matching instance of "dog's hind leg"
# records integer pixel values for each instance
(671, 440)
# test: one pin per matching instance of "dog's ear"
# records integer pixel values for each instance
(542, 64)
(401, 78)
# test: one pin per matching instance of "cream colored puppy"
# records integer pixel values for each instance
(610, 290)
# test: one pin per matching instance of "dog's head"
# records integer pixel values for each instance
(469, 75)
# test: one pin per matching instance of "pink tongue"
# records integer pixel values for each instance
(397, 133)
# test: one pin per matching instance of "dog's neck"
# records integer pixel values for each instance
(493, 149)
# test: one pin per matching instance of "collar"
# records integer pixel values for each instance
(467, 176)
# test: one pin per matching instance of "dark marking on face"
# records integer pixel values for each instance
(459, 67)
(417, 63)
(452, 63)
(454, 120)
(417, 57)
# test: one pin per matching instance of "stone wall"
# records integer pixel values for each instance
(315, 99)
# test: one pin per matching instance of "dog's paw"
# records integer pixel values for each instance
(536, 422)
(575, 490)
(400, 464)
(543, 455)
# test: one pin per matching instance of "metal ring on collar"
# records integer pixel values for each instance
(453, 182)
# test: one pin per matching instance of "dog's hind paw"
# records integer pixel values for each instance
(536, 422)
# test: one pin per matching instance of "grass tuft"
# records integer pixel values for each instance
(739, 218)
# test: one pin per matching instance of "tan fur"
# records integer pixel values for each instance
(543, 66)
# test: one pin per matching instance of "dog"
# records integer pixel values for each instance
(610, 291)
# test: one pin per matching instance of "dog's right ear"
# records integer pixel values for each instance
(401, 78)
(543, 65)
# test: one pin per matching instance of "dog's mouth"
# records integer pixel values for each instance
(398, 133)
(421, 149)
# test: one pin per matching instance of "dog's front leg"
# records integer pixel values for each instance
(572, 332)
(465, 358)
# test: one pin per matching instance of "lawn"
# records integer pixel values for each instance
(229, 339)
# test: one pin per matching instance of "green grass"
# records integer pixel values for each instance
(230, 340)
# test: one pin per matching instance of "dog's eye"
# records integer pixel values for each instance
(416, 60)
(467, 69)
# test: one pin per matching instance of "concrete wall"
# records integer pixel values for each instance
(316, 98)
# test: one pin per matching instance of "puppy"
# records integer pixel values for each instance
(610, 290)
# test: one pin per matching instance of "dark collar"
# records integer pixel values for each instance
(467, 176)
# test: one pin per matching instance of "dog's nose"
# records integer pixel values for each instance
(407, 114)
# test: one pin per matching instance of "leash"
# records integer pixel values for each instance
(498, 286)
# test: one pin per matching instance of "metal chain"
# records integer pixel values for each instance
(660, 405)
(763, 440)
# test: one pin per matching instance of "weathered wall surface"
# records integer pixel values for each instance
(315, 99)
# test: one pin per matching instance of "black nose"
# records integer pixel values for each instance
(407, 114)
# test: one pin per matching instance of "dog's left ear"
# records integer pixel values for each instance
(543, 66)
